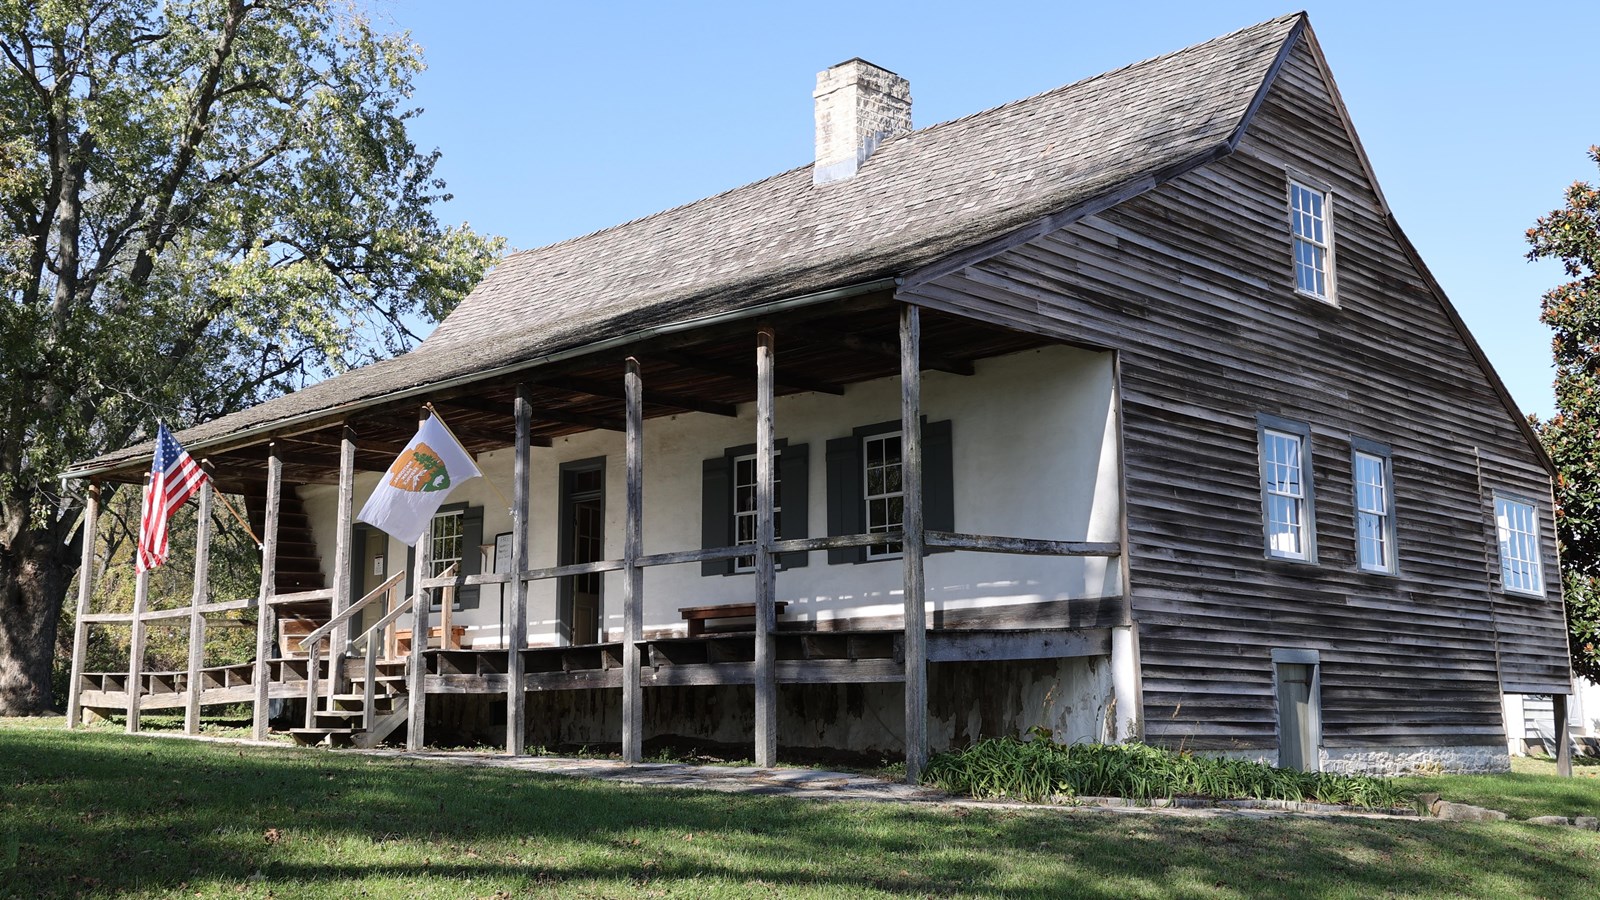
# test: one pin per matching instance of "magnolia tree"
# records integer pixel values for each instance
(1572, 436)
(203, 203)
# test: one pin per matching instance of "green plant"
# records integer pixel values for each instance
(1037, 768)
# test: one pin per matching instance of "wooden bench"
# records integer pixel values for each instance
(402, 638)
(698, 616)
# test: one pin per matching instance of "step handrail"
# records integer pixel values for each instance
(352, 609)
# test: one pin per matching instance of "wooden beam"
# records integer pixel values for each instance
(141, 599)
(1563, 735)
(633, 575)
(793, 380)
(988, 543)
(541, 414)
(80, 635)
(416, 667)
(1002, 644)
(339, 640)
(766, 724)
(882, 348)
(595, 388)
(916, 607)
(517, 638)
(197, 601)
(265, 616)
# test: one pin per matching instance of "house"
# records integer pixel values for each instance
(1126, 409)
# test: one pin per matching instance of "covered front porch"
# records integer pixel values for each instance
(1036, 572)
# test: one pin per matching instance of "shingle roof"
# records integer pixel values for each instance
(921, 196)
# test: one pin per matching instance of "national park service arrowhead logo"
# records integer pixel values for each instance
(419, 470)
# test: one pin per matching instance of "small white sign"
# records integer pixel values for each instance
(377, 565)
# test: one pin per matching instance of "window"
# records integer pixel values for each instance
(456, 535)
(1374, 495)
(728, 504)
(446, 536)
(885, 494)
(1312, 225)
(744, 505)
(1286, 500)
(1517, 521)
(865, 490)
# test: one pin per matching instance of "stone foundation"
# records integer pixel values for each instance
(1394, 761)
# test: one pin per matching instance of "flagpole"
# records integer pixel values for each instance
(463, 447)
(229, 506)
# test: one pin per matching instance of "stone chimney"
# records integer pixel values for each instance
(858, 107)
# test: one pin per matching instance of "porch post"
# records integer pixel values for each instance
(766, 577)
(141, 599)
(416, 670)
(339, 639)
(916, 651)
(633, 575)
(80, 635)
(266, 625)
(517, 631)
(1563, 735)
(197, 620)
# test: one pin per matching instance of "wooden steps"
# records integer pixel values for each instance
(343, 722)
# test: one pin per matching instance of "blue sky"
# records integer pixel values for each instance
(557, 119)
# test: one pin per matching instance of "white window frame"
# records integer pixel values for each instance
(1324, 248)
(1267, 428)
(748, 563)
(1383, 513)
(882, 551)
(440, 563)
(1517, 532)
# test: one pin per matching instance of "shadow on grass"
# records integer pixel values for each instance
(99, 813)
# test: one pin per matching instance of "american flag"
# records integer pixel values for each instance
(174, 478)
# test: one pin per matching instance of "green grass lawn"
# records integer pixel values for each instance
(1531, 789)
(96, 813)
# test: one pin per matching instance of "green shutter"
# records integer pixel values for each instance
(716, 512)
(471, 555)
(938, 479)
(794, 496)
(845, 498)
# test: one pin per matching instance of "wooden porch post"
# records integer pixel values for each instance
(141, 599)
(517, 631)
(1563, 735)
(339, 639)
(633, 575)
(912, 549)
(766, 577)
(265, 617)
(197, 620)
(416, 669)
(80, 635)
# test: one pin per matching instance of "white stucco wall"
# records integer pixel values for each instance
(1034, 445)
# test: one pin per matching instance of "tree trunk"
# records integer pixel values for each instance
(35, 573)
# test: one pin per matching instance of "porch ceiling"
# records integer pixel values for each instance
(711, 371)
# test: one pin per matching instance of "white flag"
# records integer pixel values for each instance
(422, 476)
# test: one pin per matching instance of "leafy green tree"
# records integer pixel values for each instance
(203, 203)
(1572, 437)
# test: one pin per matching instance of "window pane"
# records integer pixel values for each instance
(1519, 546)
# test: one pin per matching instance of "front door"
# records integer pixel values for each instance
(371, 568)
(582, 536)
(1298, 726)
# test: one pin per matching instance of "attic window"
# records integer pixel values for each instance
(1310, 219)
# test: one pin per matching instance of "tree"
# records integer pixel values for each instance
(1572, 436)
(203, 203)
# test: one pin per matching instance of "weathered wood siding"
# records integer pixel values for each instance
(1192, 284)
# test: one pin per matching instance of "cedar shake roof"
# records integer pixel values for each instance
(920, 197)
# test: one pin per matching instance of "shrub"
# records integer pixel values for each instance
(1038, 768)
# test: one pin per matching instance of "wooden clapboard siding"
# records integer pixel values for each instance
(1192, 283)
